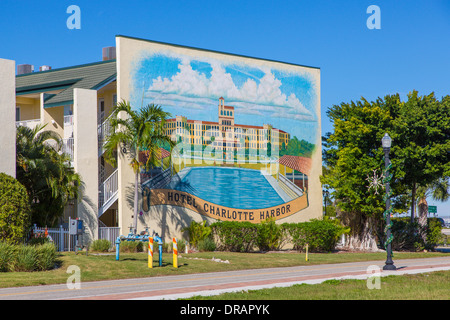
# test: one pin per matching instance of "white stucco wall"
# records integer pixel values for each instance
(86, 158)
(8, 117)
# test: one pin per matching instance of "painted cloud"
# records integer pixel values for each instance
(193, 88)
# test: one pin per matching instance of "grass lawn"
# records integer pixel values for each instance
(427, 286)
(134, 265)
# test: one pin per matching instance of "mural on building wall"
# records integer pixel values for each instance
(245, 130)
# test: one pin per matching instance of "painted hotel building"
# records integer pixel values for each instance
(227, 134)
(76, 101)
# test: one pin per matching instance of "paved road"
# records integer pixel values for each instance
(172, 287)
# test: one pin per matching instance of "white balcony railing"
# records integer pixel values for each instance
(104, 130)
(68, 147)
(28, 123)
(68, 126)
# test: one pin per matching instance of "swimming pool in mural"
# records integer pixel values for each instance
(230, 187)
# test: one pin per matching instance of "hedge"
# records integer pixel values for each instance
(14, 210)
(320, 235)
(235, 236)
(27, 257)
(407, 234)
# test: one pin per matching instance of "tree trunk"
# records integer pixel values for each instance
(136, 195)
(363, 232)
(423, 213)
(413, 203)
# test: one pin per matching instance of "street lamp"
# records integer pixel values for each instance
(325, 195)
(386, 142)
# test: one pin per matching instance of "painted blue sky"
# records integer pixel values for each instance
(191, 87)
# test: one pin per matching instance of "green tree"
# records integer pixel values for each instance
(14, 210)
(46, 173)
(419, 154)
(421, 141)
(352, 152)
(137, 131)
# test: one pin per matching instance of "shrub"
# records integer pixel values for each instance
(46, 256)
(434, 233)
(407, 234)
(197, 232)
(207, 245)
(25, 258)
(320, 235)
(6, 256)
(14, 210)
(101, 245)
(235, 236)
(271, 236)
(131, 246)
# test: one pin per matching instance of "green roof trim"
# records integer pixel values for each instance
(58, 104)
(86, 76)
(47, 86)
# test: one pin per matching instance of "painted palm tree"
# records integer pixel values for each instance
(136, 131)
(44, 170)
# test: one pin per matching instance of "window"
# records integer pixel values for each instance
(17, 113)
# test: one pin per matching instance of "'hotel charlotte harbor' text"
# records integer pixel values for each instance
(216, 211)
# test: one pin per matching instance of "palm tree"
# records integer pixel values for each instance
(438, 190)
(141, 130)
(46, 173)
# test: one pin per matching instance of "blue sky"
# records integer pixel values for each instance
(410, 51)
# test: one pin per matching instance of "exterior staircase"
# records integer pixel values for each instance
(108, 192)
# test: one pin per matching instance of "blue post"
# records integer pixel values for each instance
(159, 240)
(117, 248)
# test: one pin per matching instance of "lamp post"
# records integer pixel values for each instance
(325, 195)
(386, 143)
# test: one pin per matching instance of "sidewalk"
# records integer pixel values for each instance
(257, 285)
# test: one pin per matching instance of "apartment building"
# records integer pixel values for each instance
(74, 102)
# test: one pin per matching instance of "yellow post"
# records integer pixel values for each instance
(175, 253)
(306, 258)
(150, 252)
